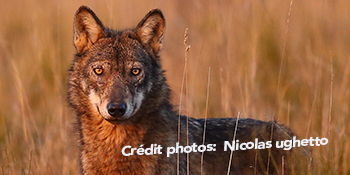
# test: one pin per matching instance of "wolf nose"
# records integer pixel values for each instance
(116, 110)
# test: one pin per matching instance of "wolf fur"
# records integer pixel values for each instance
(128, 104)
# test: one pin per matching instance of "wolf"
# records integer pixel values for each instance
(120, 96)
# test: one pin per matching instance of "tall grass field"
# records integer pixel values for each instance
(286, 60)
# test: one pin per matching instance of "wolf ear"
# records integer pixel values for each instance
(87, 29)
(151, 30)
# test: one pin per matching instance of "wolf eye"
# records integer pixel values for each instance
(135, 71)
(98, 71)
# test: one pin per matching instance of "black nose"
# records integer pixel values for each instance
(116, 110)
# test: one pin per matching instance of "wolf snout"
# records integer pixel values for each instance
(116, 110)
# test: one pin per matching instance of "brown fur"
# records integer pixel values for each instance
(149, 117)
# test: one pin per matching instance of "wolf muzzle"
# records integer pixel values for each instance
(116, 110)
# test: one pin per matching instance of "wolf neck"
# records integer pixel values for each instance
(102, 143)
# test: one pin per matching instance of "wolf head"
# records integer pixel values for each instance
(116, 73)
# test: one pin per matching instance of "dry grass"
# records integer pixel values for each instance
(242, 41)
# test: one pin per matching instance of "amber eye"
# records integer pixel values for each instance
(98, 71)
(135, 71)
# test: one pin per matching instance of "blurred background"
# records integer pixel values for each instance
(270, 60)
